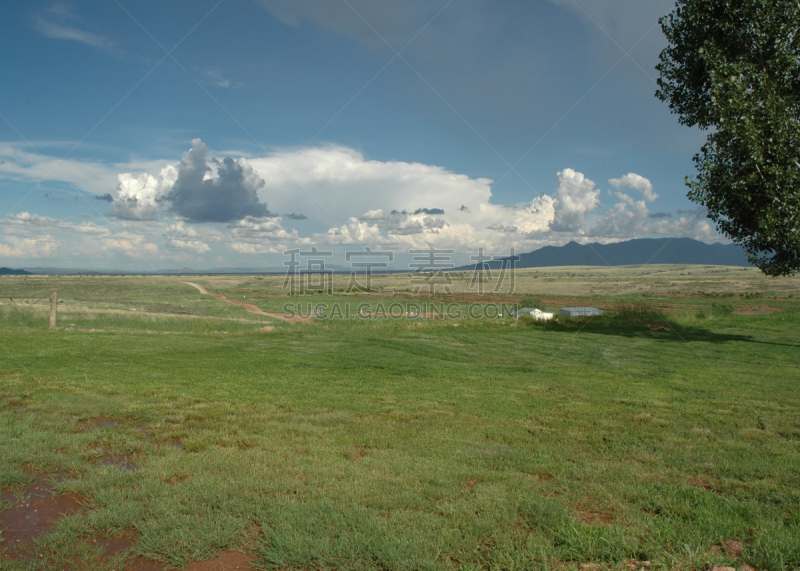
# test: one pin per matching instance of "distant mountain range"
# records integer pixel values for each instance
(631, 253)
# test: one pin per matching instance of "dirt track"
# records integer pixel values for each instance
(249, 307)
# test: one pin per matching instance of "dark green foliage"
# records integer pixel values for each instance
(733, 66)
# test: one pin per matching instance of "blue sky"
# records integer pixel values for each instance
(148, 135)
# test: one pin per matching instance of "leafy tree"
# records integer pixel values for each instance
(733, 67)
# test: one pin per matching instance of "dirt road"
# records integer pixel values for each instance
(249, 307)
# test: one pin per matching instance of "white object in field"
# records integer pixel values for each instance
(522, 311)
(540, 315)
(570, 312)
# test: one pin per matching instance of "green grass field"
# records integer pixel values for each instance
(656, 433)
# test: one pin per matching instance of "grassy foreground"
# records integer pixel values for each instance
(404, 444)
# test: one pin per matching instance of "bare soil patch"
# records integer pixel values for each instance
(227, 560)
(470, 486)
(594, 515)
(116, 545)
(143, 564)
(34, 514)
(111, 545)
(699, 483)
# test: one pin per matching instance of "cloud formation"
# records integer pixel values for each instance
(625, 219)
(44, 246)
(138, 198)
(395, 21)
(696, 225)
(637, 183)
(376, 214)
(178, 236)
(59, 23)
(354, 231)
(576, 196)
(27, 222)
(327, 183)
(94, 177)
(216, 76)
(261, 236)
(403, 205)
(129, 244)
(200, 194)
(25, 239)
(200, 188)
(628, 217)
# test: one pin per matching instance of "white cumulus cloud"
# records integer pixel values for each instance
(576, 196)
(697, 227)
(138, 197)
(635, 182)
(376, 214)
(181, 237)
(626, 219)
(332, 184)
(44, 246)
(128, 243)
(354, 231)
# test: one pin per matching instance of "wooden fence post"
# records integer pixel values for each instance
(53, 308)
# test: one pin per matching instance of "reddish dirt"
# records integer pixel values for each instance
(733, 548)
(249, 307)
(698, 483)
(34, 515)
(593, 515)
(635, 564)
(39, 509)
(470, 486)
(590, 517)
(359, 452)
(142, 564)
(227, 560)
(121, 544)
(115, 545)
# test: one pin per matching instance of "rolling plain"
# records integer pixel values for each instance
(165, 429)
